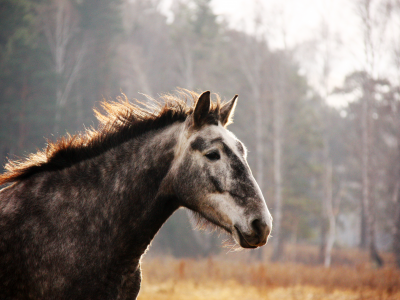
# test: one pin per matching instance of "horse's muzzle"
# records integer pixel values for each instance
(257, 237)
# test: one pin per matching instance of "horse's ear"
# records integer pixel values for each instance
(202, 109)
(227, 111)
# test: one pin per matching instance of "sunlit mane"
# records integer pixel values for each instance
(121, 121)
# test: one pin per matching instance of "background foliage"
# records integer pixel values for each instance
(59, 58)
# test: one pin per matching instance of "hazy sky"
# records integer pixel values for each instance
(297, 23)
(300, 17)
(294, 22)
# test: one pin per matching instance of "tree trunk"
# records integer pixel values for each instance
(22, 116)
(61, 38)
(396, 236)
(140, 74)
(79, 106)
(367, 203)
(330, 215)
(60, 26)
(365, 159)
(259, 140)
(325, 194)
(363, 227)
(185, 63)
(277, 144)
(396, 233)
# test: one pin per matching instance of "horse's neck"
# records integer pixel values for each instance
(130, 186)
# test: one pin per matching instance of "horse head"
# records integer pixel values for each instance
(213, 179)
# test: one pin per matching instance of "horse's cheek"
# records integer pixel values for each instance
(183, 183)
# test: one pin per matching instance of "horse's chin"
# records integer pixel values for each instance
(240, 239)
(199, 222)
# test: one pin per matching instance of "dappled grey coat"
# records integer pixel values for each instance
(77, 216)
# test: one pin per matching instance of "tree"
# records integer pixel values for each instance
(328, 222)
(61, 26)
(367, 86)
(368, 21)
(196, 38)
(25, 78)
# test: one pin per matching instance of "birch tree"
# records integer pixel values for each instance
(277, 124)
(328, 44)
(252, 59)
(395, 112)
(60, 24)
(368, 23)
(277, 138)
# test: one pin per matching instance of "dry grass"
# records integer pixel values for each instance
(215, 278)
(190, 290)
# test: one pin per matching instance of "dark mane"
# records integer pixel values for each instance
(123, 121)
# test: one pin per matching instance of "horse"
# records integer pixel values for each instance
(77, 216)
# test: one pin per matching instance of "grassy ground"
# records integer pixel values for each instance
(243, 278)
(191, 290)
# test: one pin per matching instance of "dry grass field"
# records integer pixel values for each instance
(219, 278)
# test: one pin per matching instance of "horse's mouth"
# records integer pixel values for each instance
(243, 242)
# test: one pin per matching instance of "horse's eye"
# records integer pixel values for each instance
(213, 155)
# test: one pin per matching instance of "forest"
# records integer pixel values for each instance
(330, 174)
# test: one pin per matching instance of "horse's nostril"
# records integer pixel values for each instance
(261, 230)
(259, 227)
